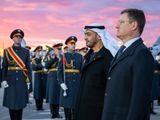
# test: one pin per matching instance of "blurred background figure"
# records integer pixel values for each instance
(155, 49)
(155, 91)
(53, 87)
(39, 91)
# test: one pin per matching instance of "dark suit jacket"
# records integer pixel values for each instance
(128, 88)
(92, 85)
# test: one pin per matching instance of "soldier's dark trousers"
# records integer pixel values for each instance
(55, 111)
(15, 114)
(69, 114)
(39, 104)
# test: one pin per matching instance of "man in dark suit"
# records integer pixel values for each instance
(128, 88)
(16, 74)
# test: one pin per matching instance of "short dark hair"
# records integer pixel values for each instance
(136, 15)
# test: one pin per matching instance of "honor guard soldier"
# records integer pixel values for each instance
(53, 88)
(39, 79)
(69, 77)
(16, 76)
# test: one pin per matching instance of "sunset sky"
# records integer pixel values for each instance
(52, 21)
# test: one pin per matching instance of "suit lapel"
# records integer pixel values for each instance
(129, 51)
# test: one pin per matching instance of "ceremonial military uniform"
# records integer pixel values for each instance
(53, 87)
(68, 73)
(40, 78)
(16, 74)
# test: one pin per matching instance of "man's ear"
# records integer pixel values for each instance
(134, 25)
(98, 37)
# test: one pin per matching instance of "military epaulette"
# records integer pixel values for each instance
(7, 56)
(34, 61)
(48, 58)
(54, 65)
(64, 62)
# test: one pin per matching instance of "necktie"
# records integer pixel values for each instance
(120, 51)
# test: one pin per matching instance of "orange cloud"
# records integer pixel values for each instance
(18, 23)
(51, 21)
(20, 7)
(152, 17)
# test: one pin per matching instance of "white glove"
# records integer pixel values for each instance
(4, 84)
(63, 86)
(43, 64)
(45, 70)
(157, 57)
(28, 85)
(64, 93)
